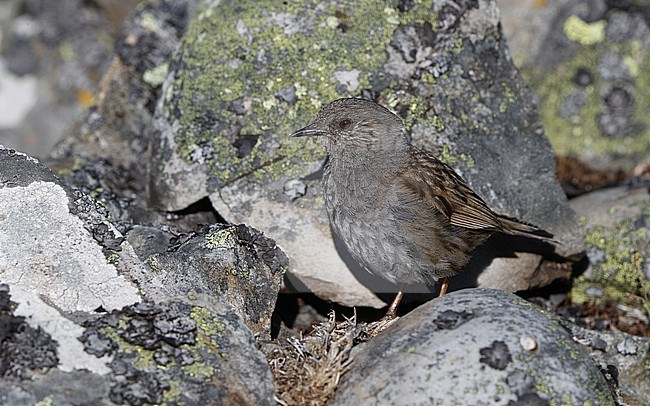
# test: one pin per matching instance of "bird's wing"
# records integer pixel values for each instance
(438, 185)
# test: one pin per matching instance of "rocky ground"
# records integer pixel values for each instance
(172, 247)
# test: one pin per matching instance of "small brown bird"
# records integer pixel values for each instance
(402, 213)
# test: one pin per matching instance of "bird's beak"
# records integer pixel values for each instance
(309, 131)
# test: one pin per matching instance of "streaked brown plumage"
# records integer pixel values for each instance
(402, 213)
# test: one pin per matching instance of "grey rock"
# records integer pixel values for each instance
(451, 78)
(57, 388)
(24, 348)
(85, 306)
(187, 351)
(40, 220)
(62, 49)
(623, 358)
(627, 347)
(116, 128)
(236, 263)
(295, 188)
(196, 351)
(475, 346)
(608, 207)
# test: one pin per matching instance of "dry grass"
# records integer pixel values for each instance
(307, 368)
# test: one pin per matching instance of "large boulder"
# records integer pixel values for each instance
(246, 76)
(473, 347)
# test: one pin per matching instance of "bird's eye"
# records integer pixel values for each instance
(345, 124)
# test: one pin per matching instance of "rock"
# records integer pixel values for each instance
(237, 263)
(617, 231)
(54, 242)
(85, 308)
(180, 352)
(196, 350)
(475, 346)
(116, 127)
(221, 129)
(61, 50)
(591, 86)
(625, 359)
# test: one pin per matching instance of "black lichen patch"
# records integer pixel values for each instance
(142, 337)
(23, 349)
(496, 356)
(245, 144)
(96, 343)
(451, 319)
(171, 353)
(135, 387)
(264, 248)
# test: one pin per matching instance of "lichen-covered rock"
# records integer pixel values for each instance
(117, 125)
(237, 263)
(617, 232)
(592, 86)
(478, 347)
(623, 358)
(66, 264)
(247, 75)
(58, 244)
(190, 351)
(23, 348)
(180, 353)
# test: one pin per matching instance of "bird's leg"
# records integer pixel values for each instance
(443, 286)
(392, 309)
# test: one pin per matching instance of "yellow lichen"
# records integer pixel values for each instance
(578, 30)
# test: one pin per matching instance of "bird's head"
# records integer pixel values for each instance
(356, 126)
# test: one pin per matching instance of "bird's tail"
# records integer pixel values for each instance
(516, 227)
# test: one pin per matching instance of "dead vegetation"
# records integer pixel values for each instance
(307, 368)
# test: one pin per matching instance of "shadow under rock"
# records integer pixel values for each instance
(298, 309)
(500, 246)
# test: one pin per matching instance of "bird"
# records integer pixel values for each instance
(403, 214)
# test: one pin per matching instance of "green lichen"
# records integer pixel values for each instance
(619, 275)
(453, 158)
(221, 239)
(459, 45)
(172, 395)
(114, 258)
(198, 370)
(509, 98)
(149, 21)
(67, 52)
(209, 331)
(208, 325)
(77, 163)
(417, 109)
(580, 135)
(248, 52)
(225, 239)
(438, 124)
(582, 32)
(143, 357)
(46, 401)
(156, 76)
